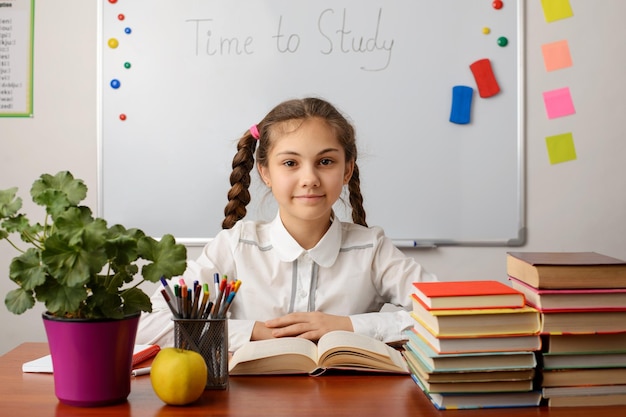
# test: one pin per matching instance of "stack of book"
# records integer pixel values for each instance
(472, 345)
(581, 297)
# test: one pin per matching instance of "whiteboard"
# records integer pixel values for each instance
(181, 81)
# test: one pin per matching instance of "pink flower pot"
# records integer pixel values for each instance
(91, 359)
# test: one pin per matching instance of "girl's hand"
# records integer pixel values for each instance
(311, 325)
(261, 332)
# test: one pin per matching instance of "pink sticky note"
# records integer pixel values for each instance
(558, 103)
(556, 55)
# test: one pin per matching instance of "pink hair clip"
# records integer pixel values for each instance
(254, 131)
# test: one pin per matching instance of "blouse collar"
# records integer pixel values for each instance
(324, 253)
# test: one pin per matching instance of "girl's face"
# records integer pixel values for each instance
(306, 171)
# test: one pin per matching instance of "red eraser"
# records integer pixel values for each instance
(485, 79)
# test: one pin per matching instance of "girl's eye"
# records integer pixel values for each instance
(326, 161)
(289, 163)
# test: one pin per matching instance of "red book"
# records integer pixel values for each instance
(143, 353)
(449, 295)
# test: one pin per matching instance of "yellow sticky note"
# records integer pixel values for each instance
(561, 148)
(556, 55)
(556, 9)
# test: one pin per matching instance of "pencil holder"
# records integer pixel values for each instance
(208, 337)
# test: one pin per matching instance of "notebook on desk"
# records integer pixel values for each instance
(44, 364)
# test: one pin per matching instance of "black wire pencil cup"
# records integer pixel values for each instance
(201, 325)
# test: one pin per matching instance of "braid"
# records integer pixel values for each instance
(239, 195)
(356, 198)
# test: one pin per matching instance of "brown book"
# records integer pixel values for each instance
(584, 343)
(560, 270)
(553, 361)
(579, 377)
(587, 400)
(583, 322)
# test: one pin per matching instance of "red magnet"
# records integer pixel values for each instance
(122, 117)
(120, 16)
(497, 4)
(485, 80)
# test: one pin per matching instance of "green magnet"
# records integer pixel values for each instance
(502, 41)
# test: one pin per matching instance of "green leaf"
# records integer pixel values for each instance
(60, 299)
(20, 224)
(136, 301)
(72, 265)
(121, 245)
(57, 192)
(168, 258)
(19, 300)
(54, 201)
(105, 303)
(78, 227)
(9, 203)
(27, 271)
(64, 181)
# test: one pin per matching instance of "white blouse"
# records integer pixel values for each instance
(353, 271)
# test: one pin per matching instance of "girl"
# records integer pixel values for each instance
(306, 272)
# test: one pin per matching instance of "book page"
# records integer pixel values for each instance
(289, 353)
(350, 340)
(349, 349)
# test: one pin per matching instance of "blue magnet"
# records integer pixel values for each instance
(461, 104)
(115, 83)
(127, 31)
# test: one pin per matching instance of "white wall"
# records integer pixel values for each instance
(577, 205)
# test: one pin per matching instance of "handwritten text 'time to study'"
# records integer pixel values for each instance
(333, 35)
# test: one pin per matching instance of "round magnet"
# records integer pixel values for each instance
(115, 83)
(127, 65)
(497, 4)
(502, 41)
(113, 43)
(486, 31)
(121, 16)
(127, 31)
(122, 117)
(112, 1)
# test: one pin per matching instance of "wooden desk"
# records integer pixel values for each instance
(332, 395)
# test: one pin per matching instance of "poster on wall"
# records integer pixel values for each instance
(16, 58)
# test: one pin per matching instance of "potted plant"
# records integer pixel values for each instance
(87, 275)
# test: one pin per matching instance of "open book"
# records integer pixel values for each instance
(335, 350)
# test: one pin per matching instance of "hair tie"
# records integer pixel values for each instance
(254, 131)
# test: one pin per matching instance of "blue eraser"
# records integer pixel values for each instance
(461, 104)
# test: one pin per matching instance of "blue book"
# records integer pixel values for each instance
(475, 361)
